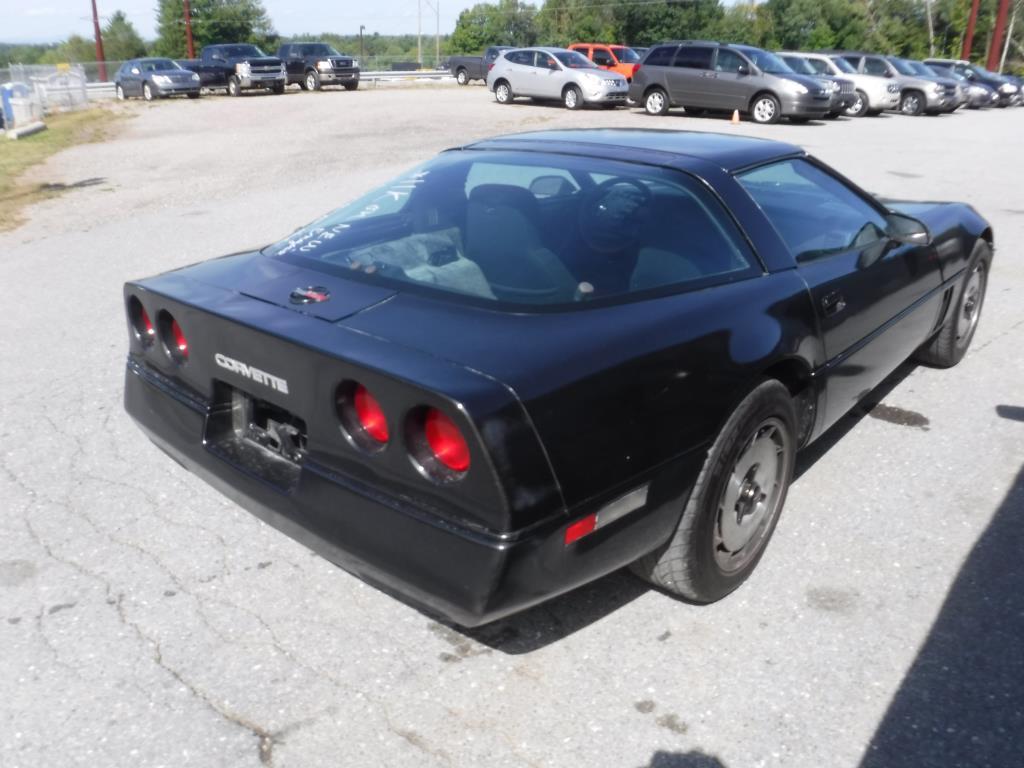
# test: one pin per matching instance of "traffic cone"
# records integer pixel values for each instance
(735, 117)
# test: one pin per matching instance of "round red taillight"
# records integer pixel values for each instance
(446, 441)
(370, 415)
(172, 336)
(142, 325)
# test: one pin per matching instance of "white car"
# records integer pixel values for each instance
(555, 73)
(874, 93)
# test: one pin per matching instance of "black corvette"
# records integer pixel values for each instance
(536, 359)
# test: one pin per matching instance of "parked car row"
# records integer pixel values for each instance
(236, 68)
(701, 76)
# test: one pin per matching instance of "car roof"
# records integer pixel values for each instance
(727, 151)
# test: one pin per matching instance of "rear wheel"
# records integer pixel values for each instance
(656, 102)
(860, 106)
(312, 81)
(572, 97)
(503, 92)
(765, 109)
(950, 344)
(462, 76)
(733, 508)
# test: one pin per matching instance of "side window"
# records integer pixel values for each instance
(728, 61)
(661, 56)
(853, 61)
(819, 66)
(546, 61)
(523, 58)
(815, 213)
(603, 58)
(876, 67)
(694, 57)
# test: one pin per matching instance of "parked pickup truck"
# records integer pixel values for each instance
(466, 68)
(237, 67)
(313, 65)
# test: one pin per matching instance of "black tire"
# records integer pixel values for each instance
(147, 92)
(694, 562)
(278, 88)
(503, 92)
(765, 109)
(193, 95)
(950, 344)
(119, 91)
(912, 103)
(462, 76)
(695, 111)
(861, 106)
(656, 102)
(351, 86)
(572, 97)
(234, 86)
(311, 80)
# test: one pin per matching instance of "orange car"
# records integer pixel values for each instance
(617, 58)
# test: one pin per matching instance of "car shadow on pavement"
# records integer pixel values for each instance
(560, 617)
(808, 457)
(1012, 412)
(962, 702)
(691, 759)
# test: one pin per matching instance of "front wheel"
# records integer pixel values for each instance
(860, 107)
(912, 103)
(120, 93)
(735, 503)
(949, 346)
(766, 109)
(312, 81)
(503, 92)
(462, 77)
(193, 95)
(572, 97)
(656, 102)
(278, 88)
(234, 86)
(147, 92)
(351, 86)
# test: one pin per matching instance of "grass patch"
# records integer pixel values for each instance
(16, 157)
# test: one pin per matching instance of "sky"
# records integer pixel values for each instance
(42, 21)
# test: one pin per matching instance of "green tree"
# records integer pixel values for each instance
(213, 21)
(120, 40)
(509, 22)
(74, 49)
(648, 23)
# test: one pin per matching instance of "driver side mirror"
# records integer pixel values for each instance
(742, 69)
(135, 71)
(907, 230)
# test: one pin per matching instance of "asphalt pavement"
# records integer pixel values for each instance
(147, 621)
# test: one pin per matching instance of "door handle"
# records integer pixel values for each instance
(833, 303)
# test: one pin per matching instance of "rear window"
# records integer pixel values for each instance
(626, 55)
(527, 229)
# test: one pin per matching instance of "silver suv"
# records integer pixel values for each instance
(917, 94)
(701, 75)
(872, 93)
(554, 73)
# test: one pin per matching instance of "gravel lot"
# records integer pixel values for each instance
(147, 621)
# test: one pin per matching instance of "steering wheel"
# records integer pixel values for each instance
(611, 215)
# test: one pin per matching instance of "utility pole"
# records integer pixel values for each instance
(1009, 36)
(435, 6)
(101, 57)
(969, 37)
(362, 51)
(419, 33)
(931, 27)
(997, 36)
(188, 31)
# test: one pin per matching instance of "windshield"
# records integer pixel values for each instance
(903, 66)
(493, 227)
(319, 49)
(157, 65)
(574, 60)
(799, 65)
(843, 65)
(625, 55)
(767, 62)
(238, 51)
(922, 69)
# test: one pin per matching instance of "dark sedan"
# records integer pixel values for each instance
(154, 79)
(536, 359)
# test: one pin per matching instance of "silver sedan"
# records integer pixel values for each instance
(555, 73)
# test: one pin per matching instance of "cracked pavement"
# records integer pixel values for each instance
(147, 621)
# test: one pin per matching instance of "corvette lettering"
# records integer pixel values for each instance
(254, 374)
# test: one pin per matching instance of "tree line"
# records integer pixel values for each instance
(914, 28)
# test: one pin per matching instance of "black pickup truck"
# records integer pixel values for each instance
(313, 65)
(237, 67)
(466, 68)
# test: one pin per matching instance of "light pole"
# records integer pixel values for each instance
(419, 33)
(188, 31)
(362, 51)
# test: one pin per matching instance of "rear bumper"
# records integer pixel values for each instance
(468, 576)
